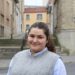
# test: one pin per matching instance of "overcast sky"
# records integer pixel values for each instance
(33, 2)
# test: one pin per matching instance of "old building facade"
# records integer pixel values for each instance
(5, 17)
(18, 18)
(10, 13)
(34, 14)
(65, 23)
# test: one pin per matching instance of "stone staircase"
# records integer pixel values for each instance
(8, 52)
(9, 47)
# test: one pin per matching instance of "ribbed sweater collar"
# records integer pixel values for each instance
(38, 53)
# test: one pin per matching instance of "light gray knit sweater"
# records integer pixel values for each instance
(23, 63)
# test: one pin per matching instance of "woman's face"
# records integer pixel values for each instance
(36, 40)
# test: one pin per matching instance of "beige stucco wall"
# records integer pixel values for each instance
(33, 19)
(66, 12)
(66, 24)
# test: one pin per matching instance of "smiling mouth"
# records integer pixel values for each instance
(35, 44)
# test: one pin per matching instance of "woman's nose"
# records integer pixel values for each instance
(35, 40)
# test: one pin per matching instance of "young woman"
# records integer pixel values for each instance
(40, 58)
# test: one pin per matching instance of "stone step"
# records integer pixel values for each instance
(8, 52)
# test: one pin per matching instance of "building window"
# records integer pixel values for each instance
(74, 19)
(27, 17)
(16, 12)
(1, 31)
(27, 27)
(2, 19)
(7, 21)
(39, 16)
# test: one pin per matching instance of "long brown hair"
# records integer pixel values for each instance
(44, 26)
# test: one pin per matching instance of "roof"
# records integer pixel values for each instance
(35, 9)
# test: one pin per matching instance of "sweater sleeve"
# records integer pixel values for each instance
(59, 68)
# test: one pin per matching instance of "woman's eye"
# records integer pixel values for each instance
(40, 37)
(31, 36)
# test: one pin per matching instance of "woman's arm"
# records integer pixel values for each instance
(59, 68)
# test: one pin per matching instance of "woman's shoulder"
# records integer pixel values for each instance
(19, 56)
(21, 53)
(54, 55)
